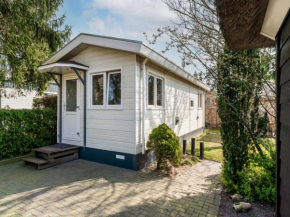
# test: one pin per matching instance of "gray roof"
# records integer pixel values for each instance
(83, 41)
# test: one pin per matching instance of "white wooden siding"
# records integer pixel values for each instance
(177, 104)
(138, 107)
(110, 129)
(18, 102)
(120, 129)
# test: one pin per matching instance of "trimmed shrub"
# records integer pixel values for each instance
(49, 101)
(166, 145)
(23, 130)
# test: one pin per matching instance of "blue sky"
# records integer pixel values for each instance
(121, 18)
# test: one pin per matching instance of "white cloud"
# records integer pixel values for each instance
(96, 24)
(129, 19)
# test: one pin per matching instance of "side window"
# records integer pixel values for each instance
(114, 88)
(98, 89)
(199, 100)
(106, 89)
(191, 103)
(155, 91)
(150, 90)
(159, 87)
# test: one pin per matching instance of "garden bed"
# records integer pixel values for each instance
(258, 209)
(187, 161)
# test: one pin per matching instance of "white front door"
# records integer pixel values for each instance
(71, 109)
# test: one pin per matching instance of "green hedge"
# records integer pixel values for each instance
(23, 130)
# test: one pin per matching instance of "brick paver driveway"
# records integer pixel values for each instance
(82, 188)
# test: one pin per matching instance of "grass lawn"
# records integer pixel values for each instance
(212, 145)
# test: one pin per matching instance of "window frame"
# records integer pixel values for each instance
(105, 73)
(104, 90)
(162, 94)
(150, 106)
(155, 106)
(191, 100)
(76, 79)
(107, 86)
(199, 98)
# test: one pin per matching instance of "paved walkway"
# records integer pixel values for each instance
(82, 188)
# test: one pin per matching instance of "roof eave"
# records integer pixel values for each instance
(128, 46)
(170, 66)
(108, 42)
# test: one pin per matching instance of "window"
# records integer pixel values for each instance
(71, 95)
(150, 90)
(199, 100)
(191, 103)
(114, 88)
(159, 91)
(106, 89)
(98, 89)
(155, 91)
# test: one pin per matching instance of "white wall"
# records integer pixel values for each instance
(110, 129)
(15, 101)
(120, 129)
(177, 104)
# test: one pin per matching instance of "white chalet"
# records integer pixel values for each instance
(113, 92)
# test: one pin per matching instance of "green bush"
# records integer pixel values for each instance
(23, 130)
(49, 101)
(166, 145)
(257, 180)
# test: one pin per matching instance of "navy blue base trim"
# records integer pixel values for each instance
(109, 157)
(146, 159)
(131, 161)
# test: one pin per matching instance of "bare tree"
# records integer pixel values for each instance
(197, 36)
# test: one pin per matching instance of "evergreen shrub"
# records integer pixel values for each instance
(23, 130)
(166, 145)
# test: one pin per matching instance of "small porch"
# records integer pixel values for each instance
(53, 155)
(68, 76)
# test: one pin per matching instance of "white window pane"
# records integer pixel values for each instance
(114, 89)
(199, 100)
(159, 91)
(98, 90)
(71, 95)
(150, 90)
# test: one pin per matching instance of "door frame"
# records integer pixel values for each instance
(65, 78)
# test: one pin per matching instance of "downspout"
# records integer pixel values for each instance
(143, 103)
(85, 109)
(60, 109)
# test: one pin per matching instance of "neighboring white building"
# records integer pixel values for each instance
(11, 98)
(130, 90)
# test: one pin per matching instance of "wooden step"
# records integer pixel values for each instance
(58, 161)
(56, 148)
(40, 163)
(53, 155)
(35, 160)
